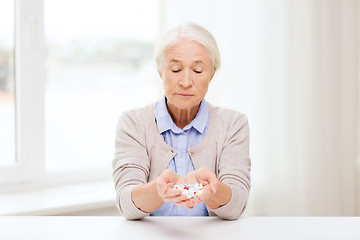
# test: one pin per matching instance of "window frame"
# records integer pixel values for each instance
(29, 167)
(29, 93)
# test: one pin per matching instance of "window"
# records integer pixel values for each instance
(28, 86)
(99, 62)
(93, 61)
(7, 98)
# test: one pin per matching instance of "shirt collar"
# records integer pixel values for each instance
(164, 121)
(163, 118)
(201, 119)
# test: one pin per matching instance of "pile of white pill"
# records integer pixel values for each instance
(190, 190)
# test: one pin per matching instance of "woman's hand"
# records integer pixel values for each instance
(208, 179)
(215, 193)
(165, 183)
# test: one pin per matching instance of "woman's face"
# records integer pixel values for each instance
(186, 73)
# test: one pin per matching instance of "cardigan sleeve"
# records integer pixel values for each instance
(234, 166)
(130, 165)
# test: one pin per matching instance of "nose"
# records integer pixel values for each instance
(186, 80)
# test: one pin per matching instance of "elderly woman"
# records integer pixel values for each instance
(182, 139)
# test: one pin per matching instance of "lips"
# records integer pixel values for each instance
(185, 94)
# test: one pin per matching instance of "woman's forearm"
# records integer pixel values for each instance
(221, 197)
(146, 197)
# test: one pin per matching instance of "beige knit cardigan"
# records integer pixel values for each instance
(141, 155)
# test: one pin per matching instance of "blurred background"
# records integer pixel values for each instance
(292, 66)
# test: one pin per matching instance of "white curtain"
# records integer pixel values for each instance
(292, 67)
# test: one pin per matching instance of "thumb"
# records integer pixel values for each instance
(213, 183)
(213, 187)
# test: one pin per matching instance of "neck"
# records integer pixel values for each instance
(182, 117)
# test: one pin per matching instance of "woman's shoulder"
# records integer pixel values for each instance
(225, 122)
(142, 115)
(226, 115)
(141, 111)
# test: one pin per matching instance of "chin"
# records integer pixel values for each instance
(186, 106)
(185, 103)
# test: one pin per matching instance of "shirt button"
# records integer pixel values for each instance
(181, 155)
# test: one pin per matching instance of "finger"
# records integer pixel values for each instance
(169, 177)
(199, 199)
(162, 189)
(212, 185)
(209, 186)
(172, 193)
(166, 181)
(169, 193)
(204, 196)
(196, 200)
(161, 184)
(175, 199)
(190, 205)
(181, 204)
(172, 183)
(213, 188)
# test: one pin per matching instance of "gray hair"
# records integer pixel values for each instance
(188, 31)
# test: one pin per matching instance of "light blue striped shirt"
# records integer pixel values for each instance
(181, 140)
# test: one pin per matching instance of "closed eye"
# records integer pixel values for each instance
(175, 71)
(196, 71)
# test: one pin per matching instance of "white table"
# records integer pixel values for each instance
(107, 228)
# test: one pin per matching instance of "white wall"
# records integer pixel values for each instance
(292, 67)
